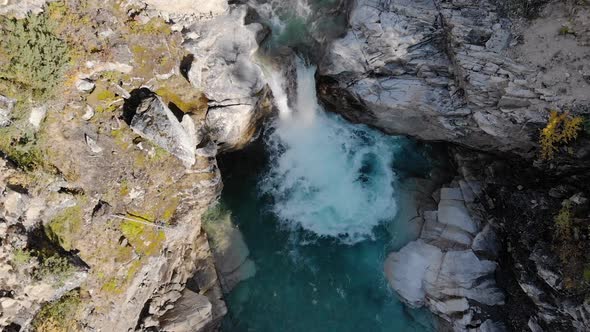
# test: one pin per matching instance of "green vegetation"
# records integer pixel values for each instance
(21, 148)
(563, 221)
(566, 30)
(146, 239)
(35, 57)
(59, 315)
(55, 267)
(22, 257)
(155, 26)
(63, 228)
(561, 129)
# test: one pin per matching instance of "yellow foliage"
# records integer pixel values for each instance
(561, 129)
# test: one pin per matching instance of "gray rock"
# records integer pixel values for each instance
(534, 325)
(491, 326)
(6, 107)
(499, 40)
(191, 313)
(37, 116)
(154, 121)
(407, 269)
(224, 69)
(451, 193)
(20, 8)
(460, 274)
(89, 113)
(229, 126)
(85, 85)
(486, 243)
(388, 72)
(513, 102)
(450, 306)
(451, 212)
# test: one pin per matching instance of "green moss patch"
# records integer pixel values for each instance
(146, 239)
(64, 227)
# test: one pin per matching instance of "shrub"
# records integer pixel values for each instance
(563, 222)
(561, 129)
(58, 315)
(36, 58)
(21, 257)
(55, 267)
(565, 30)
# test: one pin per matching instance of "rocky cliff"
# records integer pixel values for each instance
(106, 174)
(109, 142)
(479, 75)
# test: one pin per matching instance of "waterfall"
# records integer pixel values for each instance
(327, 177)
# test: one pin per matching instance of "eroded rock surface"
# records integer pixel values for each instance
(224, 69)
(443, 270)
(438, 71)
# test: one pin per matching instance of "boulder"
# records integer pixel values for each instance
(486, 243)
(192, 312)
(441, 271)
(406, 270)
(153, 120)
(230, 251)
(224, 69)
(6, 107)
(37, 116)
(85, 85)
(461, 274)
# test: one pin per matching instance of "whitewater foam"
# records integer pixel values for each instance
(327, 176)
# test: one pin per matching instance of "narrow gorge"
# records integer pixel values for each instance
(294, 165)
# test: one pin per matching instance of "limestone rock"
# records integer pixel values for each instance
(454, 213)
(486, 243)
(84, 85)
(392, 71)
(20, 8)
(37, 116)
(406, 270)
(153, 120)
(440, 270)
(224, 69)
(6, 107)
(191, 313)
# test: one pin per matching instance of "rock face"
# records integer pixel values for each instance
(200, 8)
(20, 8)
(435, 73)
(21, 293)
(224, 69)
(442, 269)
(230, 251)
(156, 122)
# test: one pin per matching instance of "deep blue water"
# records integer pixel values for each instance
(310, 283)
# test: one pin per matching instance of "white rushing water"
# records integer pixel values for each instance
(327, 176)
